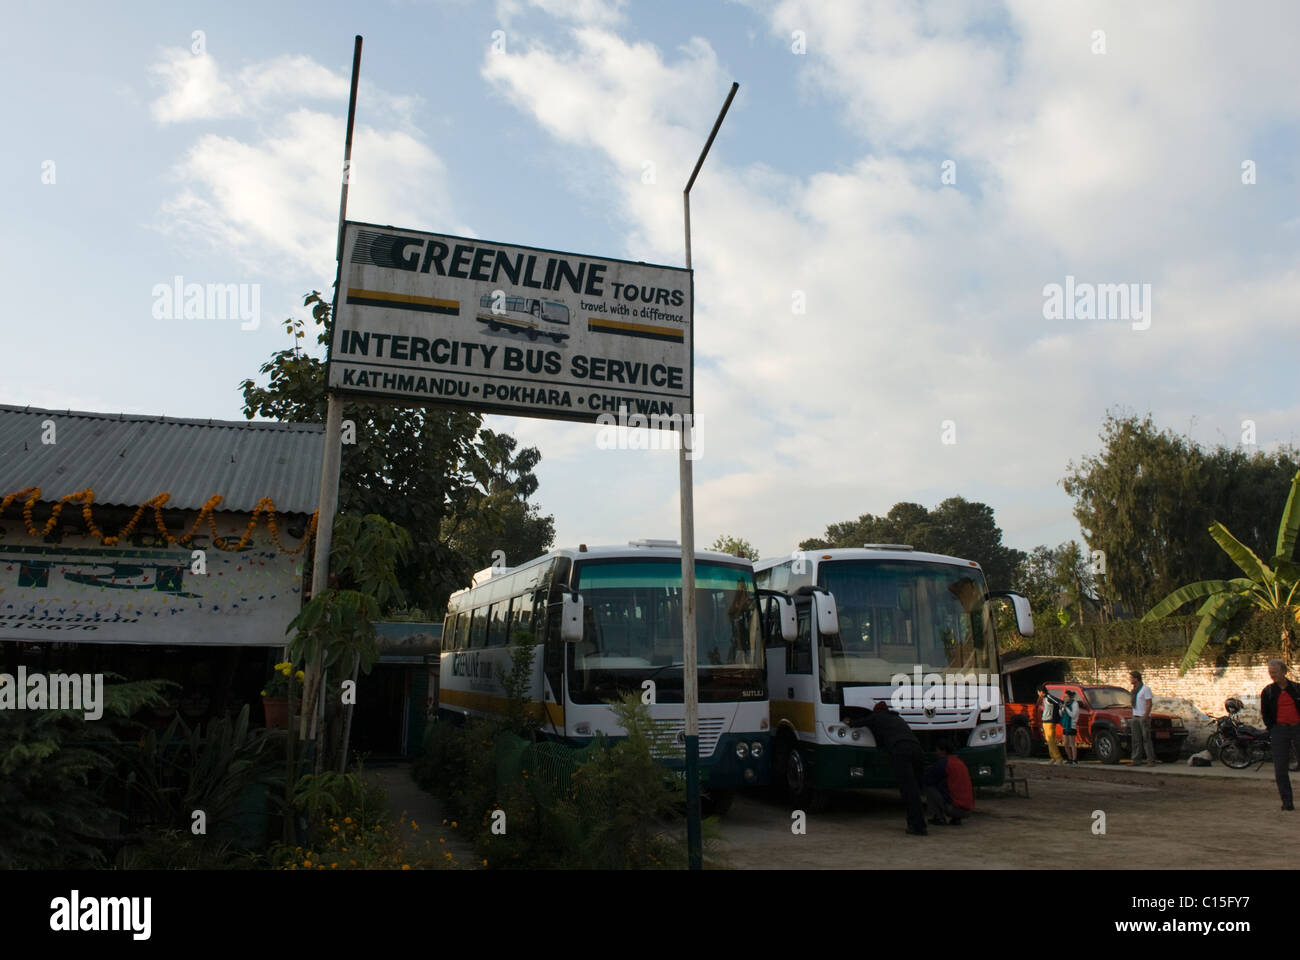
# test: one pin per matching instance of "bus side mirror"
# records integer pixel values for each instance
(1024, 613)
(571, 606)
(789, 625)
(828, 619)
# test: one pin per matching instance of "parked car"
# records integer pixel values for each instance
(1104, 722)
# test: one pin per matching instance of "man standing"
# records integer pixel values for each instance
(1281, 710)
(896, 738)
(1051, 712)
(948, 791)
(1141, 726)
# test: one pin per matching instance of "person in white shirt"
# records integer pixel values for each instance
(1140, 729)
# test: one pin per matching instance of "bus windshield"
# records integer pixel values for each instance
(633, 632)
(897, 615)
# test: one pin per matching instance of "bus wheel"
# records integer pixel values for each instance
(798, 791)
(532, 334)
(493, 326)
(1022, 741)
(718, 802)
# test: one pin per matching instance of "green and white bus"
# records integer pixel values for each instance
(607, 621)
(881, 623)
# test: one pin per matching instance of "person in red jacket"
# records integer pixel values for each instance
(948, 791)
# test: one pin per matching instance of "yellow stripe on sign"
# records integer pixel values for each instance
(800, 714)
(596, 323)
(402, 298)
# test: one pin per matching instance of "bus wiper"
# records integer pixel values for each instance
(656, 671)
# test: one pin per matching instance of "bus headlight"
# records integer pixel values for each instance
(755, 749)
(987, 734)
(742, 751)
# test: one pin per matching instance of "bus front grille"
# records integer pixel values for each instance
(671, 736)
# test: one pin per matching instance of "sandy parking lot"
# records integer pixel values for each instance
(1162, 819)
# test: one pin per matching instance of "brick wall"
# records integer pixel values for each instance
(1207, 684)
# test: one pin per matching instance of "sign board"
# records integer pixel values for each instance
(423, 318)
(81, 591)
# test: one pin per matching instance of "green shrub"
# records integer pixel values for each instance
(55, 772)
(186, 769)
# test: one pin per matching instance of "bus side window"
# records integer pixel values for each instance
(798, 655)
(449, 632)
(478, 628)
(521, 619)
(498, 618)
(462, 631)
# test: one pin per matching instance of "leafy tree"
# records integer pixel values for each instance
(1036, 578)
(497, 516)
(1265, 586)
(735, 546)
(1147, 498)
(957, 527)
(421, 468)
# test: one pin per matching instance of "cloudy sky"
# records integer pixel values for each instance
(894, 189)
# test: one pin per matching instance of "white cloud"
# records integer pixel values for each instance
(270, 195)
(925, 302)
(194, 88)
(592, 12)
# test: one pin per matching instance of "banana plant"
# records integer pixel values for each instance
(1265, 586)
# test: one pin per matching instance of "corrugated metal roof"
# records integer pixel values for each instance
(128, 458)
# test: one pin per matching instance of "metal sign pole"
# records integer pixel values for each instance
(330, 462)
(690, 673)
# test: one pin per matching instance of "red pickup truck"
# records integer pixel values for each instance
(1105, 713)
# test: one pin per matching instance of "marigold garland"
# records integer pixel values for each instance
(265, 507)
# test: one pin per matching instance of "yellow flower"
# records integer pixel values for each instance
(347, 819)
(299, 675)
(406, 866)
(263, 693)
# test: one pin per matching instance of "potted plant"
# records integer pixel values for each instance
(275, 695)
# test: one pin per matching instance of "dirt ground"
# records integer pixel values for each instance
(1153, 819)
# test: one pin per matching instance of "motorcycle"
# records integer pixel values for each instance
(1239, 744)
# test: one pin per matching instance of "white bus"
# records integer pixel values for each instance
(605, 621)
(527, 315)
(882, 623)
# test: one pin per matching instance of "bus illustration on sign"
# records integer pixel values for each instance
(527, 315)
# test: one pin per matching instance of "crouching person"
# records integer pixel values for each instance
(948, 793)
